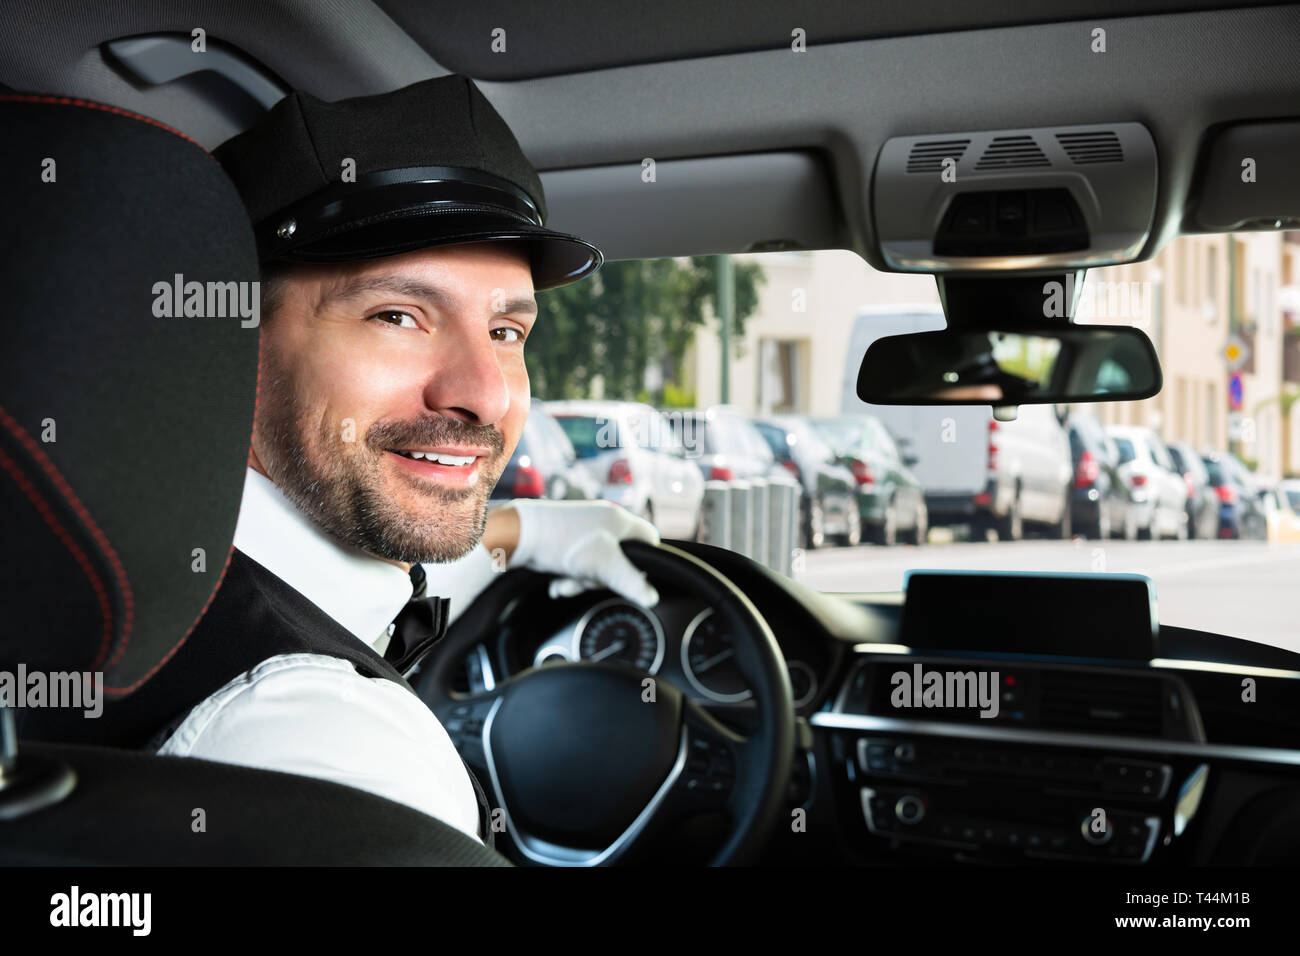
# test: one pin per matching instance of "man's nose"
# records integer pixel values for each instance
(467, 379)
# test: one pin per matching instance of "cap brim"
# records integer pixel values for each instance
(557, 258)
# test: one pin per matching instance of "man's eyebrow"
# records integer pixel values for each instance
(415, 289)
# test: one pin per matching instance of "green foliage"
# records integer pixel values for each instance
(630, 315)
(676, 396)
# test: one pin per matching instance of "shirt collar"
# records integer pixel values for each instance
(363, 593)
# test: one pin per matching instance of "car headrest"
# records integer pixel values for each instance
(128, 376)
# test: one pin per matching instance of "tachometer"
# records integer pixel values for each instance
(616, 630)
(709, 660)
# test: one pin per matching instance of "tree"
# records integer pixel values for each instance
(630, 315)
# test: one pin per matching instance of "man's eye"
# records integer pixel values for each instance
(518, 336)
(401, 319)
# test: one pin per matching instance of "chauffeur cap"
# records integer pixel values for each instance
(427, 165)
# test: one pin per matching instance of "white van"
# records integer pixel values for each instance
(975, 471)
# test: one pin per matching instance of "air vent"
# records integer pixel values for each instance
(1095, 704)
(928, 157)
(1100, 146)
(1012, 152)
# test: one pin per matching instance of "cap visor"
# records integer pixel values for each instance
(557, 258)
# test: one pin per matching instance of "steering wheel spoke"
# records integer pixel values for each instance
(464, 719)
(714, 756)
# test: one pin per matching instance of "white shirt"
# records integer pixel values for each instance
(284, 714)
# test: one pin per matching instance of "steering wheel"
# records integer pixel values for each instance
(592, 761)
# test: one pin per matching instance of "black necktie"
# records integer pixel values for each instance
(420, 626)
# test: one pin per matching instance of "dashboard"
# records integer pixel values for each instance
(1165, 746)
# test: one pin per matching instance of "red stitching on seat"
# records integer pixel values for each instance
(128, 601)
(47, 514)
(100, 538)
(92, 105)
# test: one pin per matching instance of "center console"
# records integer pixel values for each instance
(1109, 779)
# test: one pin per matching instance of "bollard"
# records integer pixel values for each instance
(717, 514)
(758, 520)
(783, 523)
(742, 518)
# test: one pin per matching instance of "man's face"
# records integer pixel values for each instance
(367, 364)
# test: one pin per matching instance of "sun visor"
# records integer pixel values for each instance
(998, 200)
(1248, 178)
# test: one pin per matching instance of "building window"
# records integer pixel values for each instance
(1180, 408)
(1211, 283)
(1211, 439)
(780, 377)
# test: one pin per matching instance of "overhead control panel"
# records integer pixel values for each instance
(999, 200)
(1248, 179)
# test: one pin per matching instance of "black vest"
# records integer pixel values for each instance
(254, 616)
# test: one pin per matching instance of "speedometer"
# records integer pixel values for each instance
(616, 630)
(709, 660)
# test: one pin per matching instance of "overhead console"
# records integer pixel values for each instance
(1247, 179)
(1039, 198)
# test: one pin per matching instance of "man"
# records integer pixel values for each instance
(402, 241)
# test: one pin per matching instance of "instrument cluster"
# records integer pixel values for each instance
(685, 643)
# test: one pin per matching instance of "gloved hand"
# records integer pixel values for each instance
(579, 540)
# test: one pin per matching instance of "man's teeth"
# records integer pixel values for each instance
(453, 460)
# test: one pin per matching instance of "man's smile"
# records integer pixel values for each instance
(454, 467)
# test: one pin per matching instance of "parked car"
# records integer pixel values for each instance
(1202, 502)
(1234, 502)
(828, 503)
(544, 463)
(724, 444)
(1158, 489)
(1282, 512)
(890, 498)
(1009, 474)
(1100, 504)
(631, 447)
(1241, 513)
(1290, 488)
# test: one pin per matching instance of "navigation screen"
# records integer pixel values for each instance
(1087, 615)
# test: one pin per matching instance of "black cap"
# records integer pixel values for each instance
(427, 165)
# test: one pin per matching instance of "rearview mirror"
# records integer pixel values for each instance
(1038, 366)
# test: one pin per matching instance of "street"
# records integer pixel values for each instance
(1246, 589)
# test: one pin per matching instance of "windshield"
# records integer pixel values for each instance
(589, 435)
(843, 436)
(1083, 488)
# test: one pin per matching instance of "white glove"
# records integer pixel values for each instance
(579, 539)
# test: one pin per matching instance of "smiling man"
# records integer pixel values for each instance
(395, 390)
(402, 241)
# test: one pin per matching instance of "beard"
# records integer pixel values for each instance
(338, 481)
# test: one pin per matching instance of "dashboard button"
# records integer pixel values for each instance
(1096, 837)
(909, 809)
